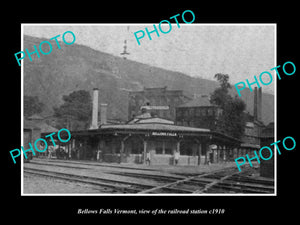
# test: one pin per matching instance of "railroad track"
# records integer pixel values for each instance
(113, 185)
(222, 181)
(66, 162)
(226, 180)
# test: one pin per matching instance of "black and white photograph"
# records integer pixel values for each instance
(149, 112)
(160, 109)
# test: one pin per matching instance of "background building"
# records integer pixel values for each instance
(160, 102)
(254, 125)
(198, 113)
(201, 113)
(267, 138)
(34, 128)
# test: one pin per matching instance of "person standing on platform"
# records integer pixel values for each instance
(50, 149)
(176, 157)
(98, 154)
(148, 158)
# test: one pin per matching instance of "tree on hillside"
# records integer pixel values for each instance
(232, 121)
(75, 112)
(32, 105)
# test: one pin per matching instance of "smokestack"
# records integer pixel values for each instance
(255, 104)
(95, 109)
(103, 113)
(259, 105)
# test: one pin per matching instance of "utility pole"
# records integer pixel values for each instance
(124, 53)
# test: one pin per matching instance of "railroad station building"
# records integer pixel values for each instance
(148, 133)
(131, 142)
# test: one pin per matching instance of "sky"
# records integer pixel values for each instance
(200, 50)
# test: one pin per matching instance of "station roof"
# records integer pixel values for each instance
(158, 129)
(154, 127)
(150, 120)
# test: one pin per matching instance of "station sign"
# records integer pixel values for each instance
(164, 134)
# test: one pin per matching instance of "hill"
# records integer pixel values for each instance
(78, 67)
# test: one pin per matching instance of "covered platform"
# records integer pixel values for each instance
(156, 139)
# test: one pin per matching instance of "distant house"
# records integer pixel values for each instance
(198, 113)
(36, 121)
(252, 133)
(34, 128)
(201, 113)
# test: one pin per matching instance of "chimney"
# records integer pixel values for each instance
(95, 109)
(259, 105)
(103, 113)
(255, 104)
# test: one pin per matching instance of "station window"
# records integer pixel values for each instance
(166, 114)
(158, 150)
(169, 146)
(198, 112)
(192, 111)
(168, 151)
(191, 123)
(136, 146)
(186, 113)
(134, 150)
(203, 152)
(178, 113)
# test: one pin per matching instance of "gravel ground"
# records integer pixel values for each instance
(42, 185)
